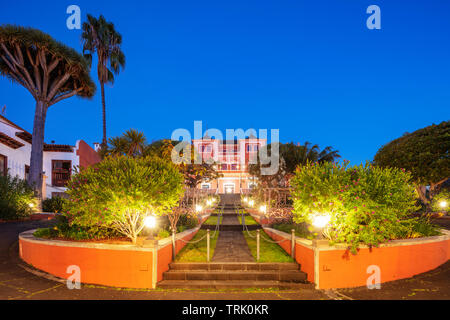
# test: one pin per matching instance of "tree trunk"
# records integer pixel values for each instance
(37, 150)
(104, 142)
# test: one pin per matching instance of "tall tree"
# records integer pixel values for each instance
(50, 71)
(99, 36)
(425, 153)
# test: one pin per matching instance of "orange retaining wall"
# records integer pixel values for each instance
(125, 266)
(334, 267)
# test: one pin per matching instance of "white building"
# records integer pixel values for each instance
(59, 160)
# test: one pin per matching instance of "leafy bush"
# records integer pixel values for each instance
(118, 193)
(439, 199)
(54, 204)
(64, 230)
(186, 222)
(366, 204)
(15, 198)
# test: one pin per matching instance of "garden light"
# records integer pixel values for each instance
(443, 204)
(198, 208)
(209, 202)
(321, 221)
(263, 209)
(150, 222)
(31, 205)
(245, 199)
(251, 203)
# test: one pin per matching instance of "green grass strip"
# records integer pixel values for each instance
(268, 252)
(212, 220)
(196, 252)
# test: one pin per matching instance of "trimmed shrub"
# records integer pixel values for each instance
(119, 193)
(15, 198)
(54, 204)
(366, 204)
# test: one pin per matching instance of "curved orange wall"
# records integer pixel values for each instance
(338, 269)
(118, 268)
(104, 266)
(331, 267)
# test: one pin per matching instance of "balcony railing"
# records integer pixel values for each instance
(60, 179)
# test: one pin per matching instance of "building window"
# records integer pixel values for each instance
(234, 167)
(3, 165)
(61, 171)
(206, 186)
(223, 167)
(27, 172)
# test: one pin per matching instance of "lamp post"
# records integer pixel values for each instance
(150, 222)
(320, 222)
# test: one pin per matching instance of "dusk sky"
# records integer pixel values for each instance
(311, 69)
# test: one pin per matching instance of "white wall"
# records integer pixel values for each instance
(18, 158)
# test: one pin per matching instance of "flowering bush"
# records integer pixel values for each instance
(120, 192)
(366, 204)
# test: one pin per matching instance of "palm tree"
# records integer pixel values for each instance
(136, 142)
(118, 146)
(99, 36)
(50, 71)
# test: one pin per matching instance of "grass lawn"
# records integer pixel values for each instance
(301, 230)
(196, 252)
(248, 220)
(268, 252)
(212, 220)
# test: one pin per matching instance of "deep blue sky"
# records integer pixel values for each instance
(309, 68)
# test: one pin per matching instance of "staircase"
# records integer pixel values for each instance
(224, 275)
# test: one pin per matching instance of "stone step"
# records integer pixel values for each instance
(231, 284)
(235, 266)
(285, 276)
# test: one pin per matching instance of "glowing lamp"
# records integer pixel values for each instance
(198, 208)
(263, 209)
(321, 221)
(150, 222)
(251, 203)
(443, 204)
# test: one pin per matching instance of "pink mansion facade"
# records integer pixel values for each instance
(232, 158)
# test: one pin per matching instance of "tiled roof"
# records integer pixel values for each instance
(57, 148)
(10, 142)
(26, 136)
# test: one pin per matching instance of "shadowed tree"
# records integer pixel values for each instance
(425, 153)
(99, 36)
(50, 71)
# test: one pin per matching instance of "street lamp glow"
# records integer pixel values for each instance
(245, 199)
(198, 208)
(251, 203)
(321, 221)
(443, 204)
(209, 202)
(263, 209)
(31, 205)
(150, 222)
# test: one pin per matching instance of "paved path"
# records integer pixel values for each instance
(231, 245)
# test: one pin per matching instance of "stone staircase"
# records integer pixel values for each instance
(224, 275)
